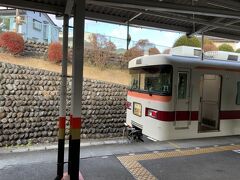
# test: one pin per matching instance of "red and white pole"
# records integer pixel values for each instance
(77, 81)
(63, 103)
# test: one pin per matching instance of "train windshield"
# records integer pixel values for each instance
(152, 79)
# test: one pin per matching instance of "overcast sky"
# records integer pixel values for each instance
(158, 37)
(163, 38)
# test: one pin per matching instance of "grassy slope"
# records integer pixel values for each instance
(109, 75)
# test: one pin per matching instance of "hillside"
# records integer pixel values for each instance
(110, 75)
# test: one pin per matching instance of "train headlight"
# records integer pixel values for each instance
(152, 113)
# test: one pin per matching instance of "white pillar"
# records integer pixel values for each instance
(63, 103)
(77, 81)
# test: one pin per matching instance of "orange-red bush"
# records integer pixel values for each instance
(153, 51)
(210, 47)
(55, 52)
(12, 42)
(133, 53)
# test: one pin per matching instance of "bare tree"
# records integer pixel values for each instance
(138, 50)
(143, 44)
(133, 53)
(101, 50)
(167, 51)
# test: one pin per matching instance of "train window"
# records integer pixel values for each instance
(232, 58)
(154, 80)
(238, 94)
(182, 85)
(135, 81)
(197, 52)
(159, 81)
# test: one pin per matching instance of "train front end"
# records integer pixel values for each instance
(149, 98)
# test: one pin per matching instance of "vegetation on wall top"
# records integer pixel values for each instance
(209, 45)
(226, 47)
(187, 41)
(238, 50)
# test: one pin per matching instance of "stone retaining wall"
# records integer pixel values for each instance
(35, 49)
(29, 106)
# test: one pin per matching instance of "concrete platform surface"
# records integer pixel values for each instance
(200, 159)
(220, 166)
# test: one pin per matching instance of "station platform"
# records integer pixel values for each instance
(195, 159)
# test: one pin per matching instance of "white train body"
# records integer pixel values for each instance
(223, 55)
(179, 97)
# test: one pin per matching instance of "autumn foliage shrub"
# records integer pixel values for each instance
(209, 45)
(139, 48)
(133, 53)
(153, 51)
(55, 52)
(12, 42)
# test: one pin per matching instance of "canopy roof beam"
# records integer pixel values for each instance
(184, 18)
(228, 4)
(210, 28)
(34, 6)
(134, 17)
(203, 28)
(169, 7)
(69, 7)
(135, 22)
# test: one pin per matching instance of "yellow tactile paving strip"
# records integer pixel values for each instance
(131, 162)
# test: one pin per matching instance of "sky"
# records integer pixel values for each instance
(162, 38)
(159, 37)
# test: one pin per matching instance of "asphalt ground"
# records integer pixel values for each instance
(219, 166)
(199, 159)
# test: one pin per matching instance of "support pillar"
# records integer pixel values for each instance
(128, 36)
(202, 52)
(63, 97)
(17, 19)
(77, 81)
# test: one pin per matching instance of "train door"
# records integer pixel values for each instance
(182, 104)
(210, 102)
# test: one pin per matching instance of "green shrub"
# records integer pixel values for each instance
(226, 47)
(238, 50)
(186, 41)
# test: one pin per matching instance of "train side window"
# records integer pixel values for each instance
(182, 85)
(135, 82)
(238, 93)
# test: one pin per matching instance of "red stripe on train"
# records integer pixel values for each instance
(179, 116)
(184, 115)
(229, 114)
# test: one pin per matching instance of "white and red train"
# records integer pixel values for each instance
(179, 97)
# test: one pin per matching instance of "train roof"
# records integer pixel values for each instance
(183, 61)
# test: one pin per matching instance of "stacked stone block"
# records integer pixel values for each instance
(33, 48)
(29, 106)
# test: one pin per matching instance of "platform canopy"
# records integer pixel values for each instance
(219, 18)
